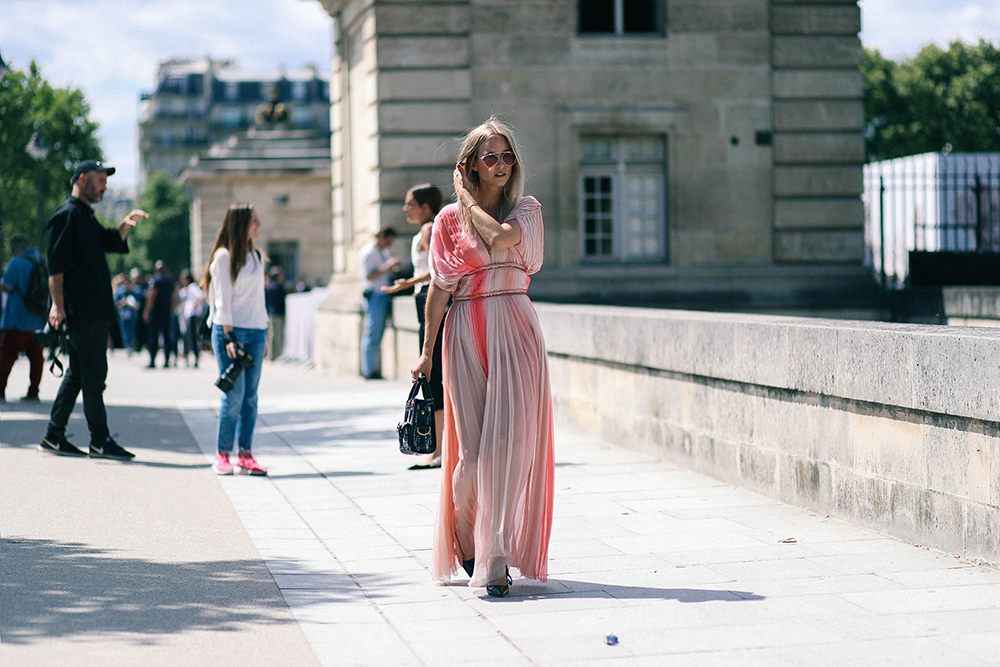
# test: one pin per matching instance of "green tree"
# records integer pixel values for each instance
(938, 97)
(166, 235)
(61, 115)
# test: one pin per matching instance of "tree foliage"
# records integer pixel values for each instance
(29, 103)
(938, 97)
(166, 235)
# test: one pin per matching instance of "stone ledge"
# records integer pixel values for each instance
(881, 424)
(937, 369)
(979, 303)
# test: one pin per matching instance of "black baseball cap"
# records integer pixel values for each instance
(90, 165)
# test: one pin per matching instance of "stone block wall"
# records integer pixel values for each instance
(301, 216)
(888, 425)
(818, 116)
(758, 101)
(405, 83)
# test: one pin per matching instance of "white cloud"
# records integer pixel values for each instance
(900, 28)
(110, 49)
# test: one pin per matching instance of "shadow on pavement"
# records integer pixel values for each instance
(296, 419)
(330, 427)
(53, 589)
(135, 428)
(585, 589)
(324, 475)
(59, 589)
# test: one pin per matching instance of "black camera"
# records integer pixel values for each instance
(242, 361)
(52, 339)
(56, 341)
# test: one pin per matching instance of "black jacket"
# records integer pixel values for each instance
(77, 243)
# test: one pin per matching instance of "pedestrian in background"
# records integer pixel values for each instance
(18, 323)
(495, 507)
(127, 308)
(80, 283)
(161, 298)
(192, 301)
(376, 267)
(274, 296)
(234, 283)
(139, 287)
(421, 204)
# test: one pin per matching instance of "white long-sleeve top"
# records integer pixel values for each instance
(240, 303)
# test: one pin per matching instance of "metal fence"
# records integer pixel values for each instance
(933, 202)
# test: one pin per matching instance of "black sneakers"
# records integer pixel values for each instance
(109, 449)
(59, 446)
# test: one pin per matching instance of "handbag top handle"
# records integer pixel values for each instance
(421, 384)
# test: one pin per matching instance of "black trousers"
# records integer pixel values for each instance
(159, 327)
(87, 371)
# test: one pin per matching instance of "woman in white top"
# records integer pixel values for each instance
(422, 203)
(192, 307)
(234, 283)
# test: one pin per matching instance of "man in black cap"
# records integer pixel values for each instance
(80, 283)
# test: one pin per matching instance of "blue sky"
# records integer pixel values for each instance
(110, 48)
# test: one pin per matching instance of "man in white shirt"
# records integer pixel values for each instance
(376, 267)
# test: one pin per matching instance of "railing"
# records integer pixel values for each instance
(931, 203)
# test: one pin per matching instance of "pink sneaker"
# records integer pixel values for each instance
(248, 465)
(222, 466)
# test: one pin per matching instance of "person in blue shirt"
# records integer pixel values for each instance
(17, 323)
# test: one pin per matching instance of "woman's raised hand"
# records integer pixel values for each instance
(460, 180)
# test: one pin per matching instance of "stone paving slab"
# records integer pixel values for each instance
(683, 569)
(145, 563)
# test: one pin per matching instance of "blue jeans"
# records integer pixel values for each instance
(376, 311)
(238, 413)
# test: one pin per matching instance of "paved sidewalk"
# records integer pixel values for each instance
(326, 561)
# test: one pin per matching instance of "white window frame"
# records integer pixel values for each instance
(620, 237)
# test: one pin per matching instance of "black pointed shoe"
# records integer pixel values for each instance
(469, 566)
(500, 590)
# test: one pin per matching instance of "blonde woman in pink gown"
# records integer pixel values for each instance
(497, 484)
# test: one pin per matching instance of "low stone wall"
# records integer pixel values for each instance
(972, 306)
(892, 426)
(340, 327)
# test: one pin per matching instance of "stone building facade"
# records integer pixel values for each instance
(693, 153)
(200, 101)
(285, 174)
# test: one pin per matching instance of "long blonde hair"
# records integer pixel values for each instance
(512, 191)
(234, 237)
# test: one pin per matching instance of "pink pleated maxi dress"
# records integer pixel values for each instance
(497, 464)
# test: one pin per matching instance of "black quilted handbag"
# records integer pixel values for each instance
(416, 431)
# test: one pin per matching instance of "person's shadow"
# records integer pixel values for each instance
(555, 589)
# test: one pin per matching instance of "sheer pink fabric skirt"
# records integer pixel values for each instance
(497, 463)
